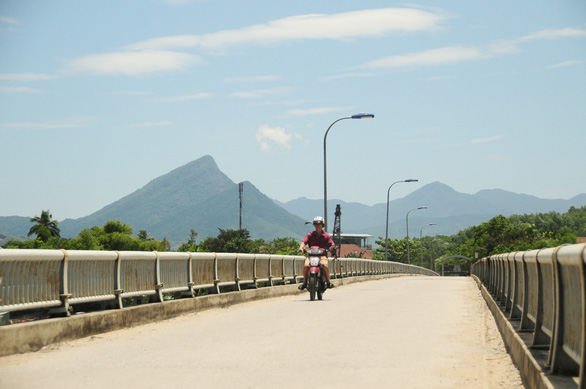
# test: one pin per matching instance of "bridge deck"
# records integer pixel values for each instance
(408, 332)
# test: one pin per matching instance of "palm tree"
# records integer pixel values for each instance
(45, 226)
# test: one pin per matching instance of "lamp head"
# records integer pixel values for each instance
(412, 180)
(424, 207)
(363, 116)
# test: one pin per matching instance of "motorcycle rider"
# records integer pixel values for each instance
(321, 239)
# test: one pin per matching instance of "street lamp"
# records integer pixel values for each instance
(387, 231)
(357, 116)
(431, 263)
(407, 219)
(421, 239)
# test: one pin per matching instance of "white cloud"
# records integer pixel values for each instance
(474, 141)
(346, 75)
(565, 64)
(347, 25)
(177, 99)
(8, 20)
(434, 57)
(19, 89)
(24, 76)
(252, 79)
(49, 125)
(133, 63)
(269, 137)
(262, 92)
(457, 54)
(7, 23)
(569, 32)
(316, 111)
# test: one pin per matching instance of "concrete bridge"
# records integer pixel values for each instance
(386, 323)
(396, 332)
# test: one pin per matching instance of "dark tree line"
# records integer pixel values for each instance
(498, 235)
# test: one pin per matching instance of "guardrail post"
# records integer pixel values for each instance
(64, 290)
(190, 282)
(118, 290)
(158, 283)
(236, 274)
(254, 273)
(283, 270)
(560, 361)
(216, 289)
(270, 270)
(4, 316)
(295, 270)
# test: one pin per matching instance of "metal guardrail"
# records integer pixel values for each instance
(544, 291)
(57, 279)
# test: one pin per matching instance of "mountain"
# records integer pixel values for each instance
(452, 211)
(199, 196)
(14, 228)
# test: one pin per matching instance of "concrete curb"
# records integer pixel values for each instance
(32, 336)
(531, 372)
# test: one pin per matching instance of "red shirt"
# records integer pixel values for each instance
(313, 239)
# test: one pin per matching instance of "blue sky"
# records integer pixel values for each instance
(99, 98)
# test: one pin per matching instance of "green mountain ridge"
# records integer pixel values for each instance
(199, 196)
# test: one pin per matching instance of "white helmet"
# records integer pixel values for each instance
(318, 219)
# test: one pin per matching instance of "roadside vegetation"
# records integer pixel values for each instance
(498, 235)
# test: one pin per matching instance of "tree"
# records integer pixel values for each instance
(228, 241)
(190, 245)
(397, 250)
(45, 226)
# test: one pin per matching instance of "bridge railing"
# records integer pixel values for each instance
(57, 279)
(543, 292)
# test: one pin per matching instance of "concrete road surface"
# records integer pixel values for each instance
(407, 332)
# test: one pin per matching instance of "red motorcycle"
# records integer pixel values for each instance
(316, 283)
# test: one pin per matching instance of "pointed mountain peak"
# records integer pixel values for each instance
(435, 187)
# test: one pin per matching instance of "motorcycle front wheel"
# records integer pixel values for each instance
(312, 287)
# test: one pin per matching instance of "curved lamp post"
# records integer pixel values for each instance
(421, 239)
(387, 231)
(357, 116)
(407, 219)
(431, 262)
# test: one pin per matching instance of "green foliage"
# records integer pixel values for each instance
(498, 235)
(238, 241)
(143, 235)
(227, 241)
(114, 235)
(516, 233)
(283, 246)
(114, 226)
(190, 245)
(45, 226)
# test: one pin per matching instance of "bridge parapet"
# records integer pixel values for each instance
(542, 293)
(58, 279)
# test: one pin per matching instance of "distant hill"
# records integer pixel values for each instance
(452, 211)
(197, 195)
(14, 228)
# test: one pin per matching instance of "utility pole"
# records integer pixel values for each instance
(240, 189)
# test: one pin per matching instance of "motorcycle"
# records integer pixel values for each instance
(316, 283)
